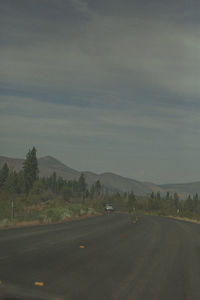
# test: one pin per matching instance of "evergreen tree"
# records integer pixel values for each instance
(30, 169)
(98, 188)
(4, 174)
(131, 202)
(189, 205)
(152, 195)
(92, 190)
(11, 184)
(82, 185)
(66, 193)
(176, 201)
(125, 195)
(158, 197)
(61, 183)
(167, 196)
(52, 180)
(38, 187)
(20, 182)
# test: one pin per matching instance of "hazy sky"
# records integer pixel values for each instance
(103, 85)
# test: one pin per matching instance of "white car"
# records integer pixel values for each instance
(108, 207)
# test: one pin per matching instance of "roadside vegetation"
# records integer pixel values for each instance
(27, 197)
(169, 205)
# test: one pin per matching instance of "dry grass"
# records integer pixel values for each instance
(37, 222)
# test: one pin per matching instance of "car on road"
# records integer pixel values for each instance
(108, 207)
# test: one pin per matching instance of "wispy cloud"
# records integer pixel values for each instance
(103, 76)
(154, 55)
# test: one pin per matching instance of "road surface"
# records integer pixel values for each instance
(105, 257)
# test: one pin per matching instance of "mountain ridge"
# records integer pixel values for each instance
(111, 181)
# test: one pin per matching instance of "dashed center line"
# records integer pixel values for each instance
(39, 283)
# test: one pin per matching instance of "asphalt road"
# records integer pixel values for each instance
(157, 258)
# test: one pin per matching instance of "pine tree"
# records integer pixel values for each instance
(131, 202)
(152, 195)
(11, 183)
(4, 174)
(98, 188)
(53, 182)
(82, 185)
(176, 200)
(30, 169)
(167, 196)
(21, 183)
(189, 205)
(158, 197)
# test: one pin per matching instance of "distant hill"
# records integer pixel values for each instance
(123, 184)
(183, 189)
(13, 163)
(112, 182)
(119, 183)
(48, 165)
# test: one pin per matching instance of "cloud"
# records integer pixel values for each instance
(117, 81)
(95, 122)
(81, 5)
(123, 141)
(129, 55)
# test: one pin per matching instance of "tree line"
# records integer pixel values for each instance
(28, 184)
(168, 204)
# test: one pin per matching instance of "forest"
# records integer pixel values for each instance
(27, 197)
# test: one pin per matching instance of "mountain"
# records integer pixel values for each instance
(123, 184)
(183, 189)
(13, 163)
(112, 182)
(48, 165)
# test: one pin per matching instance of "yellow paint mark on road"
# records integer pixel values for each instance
(39, 283)
(1, 282)
(82, 246)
